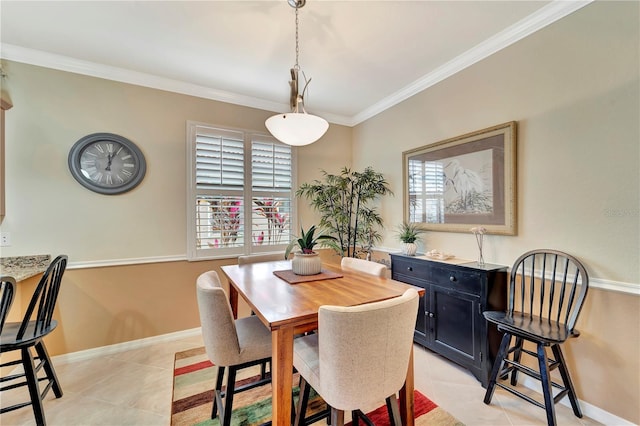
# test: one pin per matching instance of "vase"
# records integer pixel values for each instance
(409, 249)
(306, 263)
(480, 258)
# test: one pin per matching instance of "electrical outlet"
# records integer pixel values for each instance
(5, 239)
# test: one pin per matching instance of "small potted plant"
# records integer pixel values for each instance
(306, 261)
(408, 233)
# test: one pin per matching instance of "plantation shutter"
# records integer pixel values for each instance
(220, 185)
(271, 177)
(220, 161)
(240, 192)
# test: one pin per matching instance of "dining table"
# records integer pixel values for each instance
(291, 308)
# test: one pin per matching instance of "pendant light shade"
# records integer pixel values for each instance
(297, 128)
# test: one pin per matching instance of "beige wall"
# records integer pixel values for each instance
(573, 88)
(49, 212)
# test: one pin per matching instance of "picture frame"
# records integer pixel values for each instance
(464, 182)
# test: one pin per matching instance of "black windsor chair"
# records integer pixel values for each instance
(7, 293)
(27, 334)
(546, 293)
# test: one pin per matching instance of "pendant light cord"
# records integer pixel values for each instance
(297, 66)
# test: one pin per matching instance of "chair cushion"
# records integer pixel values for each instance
(529, 327)
(305, 359)
(254, 339)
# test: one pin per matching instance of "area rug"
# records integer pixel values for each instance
(194, 378)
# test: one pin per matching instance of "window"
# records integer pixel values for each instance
(426, 191)
(240, 192)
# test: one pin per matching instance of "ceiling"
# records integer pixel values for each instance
(363, 56)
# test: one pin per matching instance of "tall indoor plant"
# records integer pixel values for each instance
(344, 201)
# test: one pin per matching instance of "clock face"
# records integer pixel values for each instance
(107, 163)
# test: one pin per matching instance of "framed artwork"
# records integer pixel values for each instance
(462, 182)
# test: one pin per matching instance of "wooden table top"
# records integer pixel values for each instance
(279, 303)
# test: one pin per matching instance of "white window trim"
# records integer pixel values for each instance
(193, 254)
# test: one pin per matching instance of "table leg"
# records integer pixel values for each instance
(406, 396)
(282, 375)
(233, 300)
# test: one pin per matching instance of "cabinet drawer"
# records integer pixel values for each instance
(457, 279)
(411, 268)
(419, 282)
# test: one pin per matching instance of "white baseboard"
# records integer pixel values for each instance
(125, 346)
(589, 410)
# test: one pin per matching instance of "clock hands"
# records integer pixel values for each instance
(109, 158)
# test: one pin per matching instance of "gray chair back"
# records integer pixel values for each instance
(364, 350)
(218, 326)
(364, 266)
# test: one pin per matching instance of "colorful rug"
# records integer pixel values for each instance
(194, 378)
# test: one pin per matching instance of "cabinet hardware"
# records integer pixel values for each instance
(409, 268)
(452, 278)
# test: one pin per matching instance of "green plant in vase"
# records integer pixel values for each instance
(306, 261)
(409, 233)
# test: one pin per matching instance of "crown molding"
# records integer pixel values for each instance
(547, 15)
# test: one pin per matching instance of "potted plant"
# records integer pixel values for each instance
(306, 261)
(346, 203)
(408, 233)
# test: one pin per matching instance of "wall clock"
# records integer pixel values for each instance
(106, 163)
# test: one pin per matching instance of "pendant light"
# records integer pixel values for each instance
(297, 127)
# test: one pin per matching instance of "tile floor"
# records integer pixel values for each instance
(134, 388)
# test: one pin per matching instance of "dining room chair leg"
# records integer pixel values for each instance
(31, 375)
(41, 350)
(545, 378)
(497, 367)
(217, 398)
(303, 398)
(355, 418)
(228, 398)
(517, 356)
(566, 378)
(394, 411)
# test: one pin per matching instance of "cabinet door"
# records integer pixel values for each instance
(454, 325)
(420, 333)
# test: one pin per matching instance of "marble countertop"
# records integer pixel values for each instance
(23, 267)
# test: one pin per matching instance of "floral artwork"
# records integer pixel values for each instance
(468, 184)
(462, 181)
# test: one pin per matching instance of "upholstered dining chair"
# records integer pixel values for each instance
(358, 358)
(255, 258)
(28, 334)
(364, 266)
(231, 344)
(546, 292)
(7, 293)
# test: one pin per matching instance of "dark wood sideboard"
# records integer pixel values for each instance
(450, 320)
